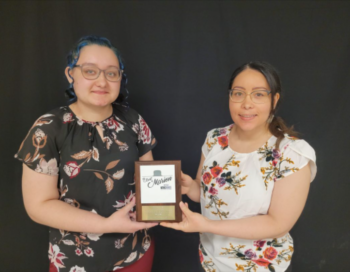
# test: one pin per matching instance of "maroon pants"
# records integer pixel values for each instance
(144, 264)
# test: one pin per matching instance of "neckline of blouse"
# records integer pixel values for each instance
(112, 116)
(247, 153)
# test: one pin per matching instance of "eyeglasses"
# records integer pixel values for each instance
(257, 97)
(92, 72)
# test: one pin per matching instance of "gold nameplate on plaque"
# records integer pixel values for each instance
(158, 213)
(158, 191)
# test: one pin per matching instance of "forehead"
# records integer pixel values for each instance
(250, 79)
(101, 56)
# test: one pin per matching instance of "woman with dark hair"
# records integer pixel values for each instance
(252, 182)
(78, 168)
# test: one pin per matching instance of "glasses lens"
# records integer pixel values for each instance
(89, 71)
(237, 95)
(260, 96)
(112, 74)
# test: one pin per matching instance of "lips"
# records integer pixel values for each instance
(247, 117)
(99, 92)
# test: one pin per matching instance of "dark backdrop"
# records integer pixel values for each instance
(179, 56)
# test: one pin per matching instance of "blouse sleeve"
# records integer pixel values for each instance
(296, 155)
(146, 140)
(38, 149)
(207, 146)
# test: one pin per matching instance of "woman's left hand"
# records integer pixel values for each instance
(191, 221)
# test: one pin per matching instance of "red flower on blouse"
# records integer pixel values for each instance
(207, 178)
(261, 262)
(270, 253)
(216, 171)
(223, 141)
(72, 169)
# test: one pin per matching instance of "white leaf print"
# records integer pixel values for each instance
(119, 174)
(131, 257)
(68, 242)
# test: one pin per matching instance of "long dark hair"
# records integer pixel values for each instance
(73, 57)
(277, 126)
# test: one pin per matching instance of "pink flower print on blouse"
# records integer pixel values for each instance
(114, 124)
(68, 117)
(145, 132)
(49, 168)
(72, 169)
(56, 257)
(259, 244)
(213, 191)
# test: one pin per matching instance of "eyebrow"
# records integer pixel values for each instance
(96, 65)
(255, 88)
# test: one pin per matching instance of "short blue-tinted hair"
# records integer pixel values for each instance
(73, 58)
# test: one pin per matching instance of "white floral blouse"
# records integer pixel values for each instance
(239, 185)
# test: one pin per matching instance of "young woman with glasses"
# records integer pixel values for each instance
(252, 182)
(78, 168)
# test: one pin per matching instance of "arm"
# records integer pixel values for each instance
(41, 200)
(192, 187)
(288, 200)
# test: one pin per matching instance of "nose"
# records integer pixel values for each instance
(247, 103)
(101, 80)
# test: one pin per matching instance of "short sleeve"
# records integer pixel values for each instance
(205, 147)
(145, 138)
(38, 149)
(295, 155)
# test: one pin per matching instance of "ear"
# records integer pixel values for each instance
(68, 73)
(275, 100)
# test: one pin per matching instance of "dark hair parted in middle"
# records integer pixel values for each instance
(277, 126)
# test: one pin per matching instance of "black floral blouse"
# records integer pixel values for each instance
(94, 174)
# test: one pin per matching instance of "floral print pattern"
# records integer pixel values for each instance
(238, 185)
(275, 159)
(96, 174)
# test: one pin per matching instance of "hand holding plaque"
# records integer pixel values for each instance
(158, 191)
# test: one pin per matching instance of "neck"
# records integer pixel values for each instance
(251, 135)
(91, 113)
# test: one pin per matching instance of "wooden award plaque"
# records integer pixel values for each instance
(158, 191)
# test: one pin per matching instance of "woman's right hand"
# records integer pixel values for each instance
(123, 222)
(186, 183)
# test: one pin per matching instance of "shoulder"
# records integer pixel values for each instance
(216, 136)
(299, 146)
(300, 152)
(54, 119)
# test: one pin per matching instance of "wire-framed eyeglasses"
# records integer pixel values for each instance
(258, 96)
(90, 71)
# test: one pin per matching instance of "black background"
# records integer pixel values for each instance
(179, 56)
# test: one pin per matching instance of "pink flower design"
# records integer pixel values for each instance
(213, 191)
(67, 118)
(89, 252)
(259, 243)
(49, 168)
(78, 252)
(114, 124)
(56, 257)
(274, 162)
(201, 258)
(144, 131)
(72, 169)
